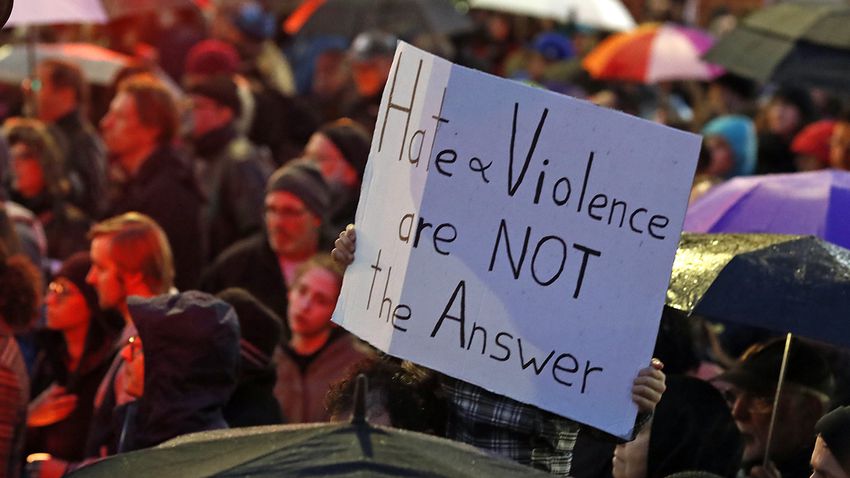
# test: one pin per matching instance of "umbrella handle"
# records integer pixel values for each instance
(361, 390)
(776, 399)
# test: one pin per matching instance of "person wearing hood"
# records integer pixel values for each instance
(182, 366)
(232, 170)
(732, 145)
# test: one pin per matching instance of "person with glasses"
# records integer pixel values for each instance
(296, 203)
(76, 350)
(749, 388)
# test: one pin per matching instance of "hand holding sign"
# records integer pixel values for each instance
(516, 239)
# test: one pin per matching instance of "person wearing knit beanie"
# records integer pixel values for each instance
(221, 89)
(297, 200)
(340, 150)
(211, 57)
(831, 457)
(349, 143)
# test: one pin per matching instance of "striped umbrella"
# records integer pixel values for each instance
(651, 53)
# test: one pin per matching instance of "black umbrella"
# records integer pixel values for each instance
(790, 43)
(404, 18)
(355, 449)
(786, 283)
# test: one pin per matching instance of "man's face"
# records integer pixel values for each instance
(208, 115)
(371, 75)
(104, 275)
(122, 130)
(824, 463)
(839, 146)
(311, 302)
(45, 95)
(752, 413)
(335, 169)
(293, 230)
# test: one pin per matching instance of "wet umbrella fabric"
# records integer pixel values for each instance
(815, 203)
(403, 18)
(786, 283)
(342, 450)
(790, 43)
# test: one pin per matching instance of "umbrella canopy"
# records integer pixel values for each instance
(340, 450)
(99, 64)
(47, 12)
(786, 283)
(653, 53)
(404, 18)
(604, 14)
(816, 203)
(791, 43)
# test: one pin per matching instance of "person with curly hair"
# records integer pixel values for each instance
(19, 304)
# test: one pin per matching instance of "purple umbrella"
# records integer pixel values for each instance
(815, 203)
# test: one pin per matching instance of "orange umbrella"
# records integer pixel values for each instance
(651, 53)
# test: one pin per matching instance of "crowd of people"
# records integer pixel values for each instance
(170, 258)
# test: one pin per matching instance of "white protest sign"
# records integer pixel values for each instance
(516, 239)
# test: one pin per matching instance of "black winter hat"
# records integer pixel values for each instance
(304, 180)
(260, 327)
(75, 268)
(352, 140)
(221, 89)
(834, 428)
(757, 370)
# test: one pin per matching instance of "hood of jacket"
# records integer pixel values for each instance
(190, 343)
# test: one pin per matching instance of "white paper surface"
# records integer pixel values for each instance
(571, 313)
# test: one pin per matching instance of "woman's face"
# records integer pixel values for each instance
(311, 302)
(630, 458)
(783, 118)
(29, 176)
(66, 307)
(722, 159)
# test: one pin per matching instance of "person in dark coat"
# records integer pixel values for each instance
(40, 186)
(692, 430)
(183, 367)
(77, 348)
(60, 102)
(138, 131)
(264, 264)
(253, 403)
(232, 170)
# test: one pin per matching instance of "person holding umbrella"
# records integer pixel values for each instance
(749, 388)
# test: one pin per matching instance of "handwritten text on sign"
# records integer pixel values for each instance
(515, 238)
